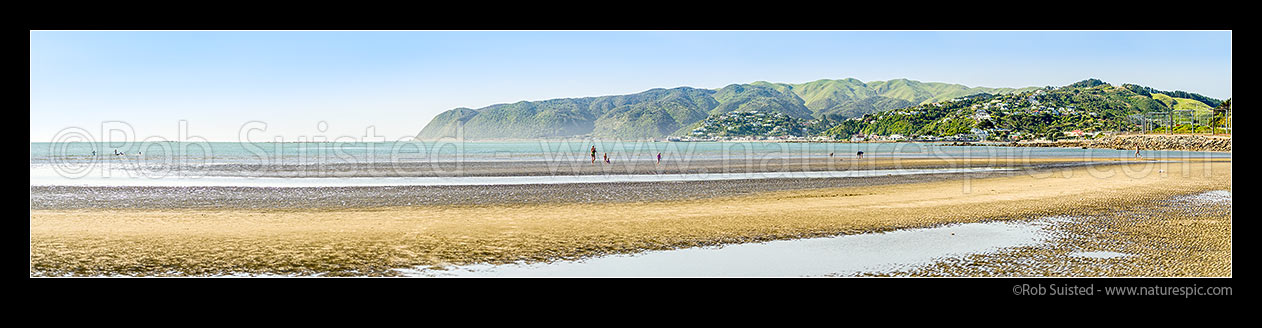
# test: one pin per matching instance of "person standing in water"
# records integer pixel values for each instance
(593, 154)
(659, 158)
(606, 158)
(860, 154)
(1137, 155)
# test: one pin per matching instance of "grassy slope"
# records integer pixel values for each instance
(1180, 103)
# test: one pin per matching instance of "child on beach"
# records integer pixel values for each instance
(606, 158)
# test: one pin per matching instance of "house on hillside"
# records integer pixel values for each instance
(979, 133)
(981, 114)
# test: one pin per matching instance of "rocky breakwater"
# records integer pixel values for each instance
(1166, 142)
(1143, 142)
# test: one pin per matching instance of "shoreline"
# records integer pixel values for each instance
(375, 241)
(51, 197)
(621, 167)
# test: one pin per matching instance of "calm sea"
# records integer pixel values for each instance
(75, 163)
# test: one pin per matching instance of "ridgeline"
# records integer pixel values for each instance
(844, 109)
(659, 113)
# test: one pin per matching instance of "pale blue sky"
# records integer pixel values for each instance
(397, 81)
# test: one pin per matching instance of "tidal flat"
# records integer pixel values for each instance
(379, 240)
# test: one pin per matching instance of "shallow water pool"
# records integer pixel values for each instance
(841, 255)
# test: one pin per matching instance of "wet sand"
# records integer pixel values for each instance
(376, 240)
(1185, 236)
(224, 197)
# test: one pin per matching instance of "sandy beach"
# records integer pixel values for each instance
(366, 238)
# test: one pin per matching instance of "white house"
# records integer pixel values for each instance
(981, 114)
(980, 133)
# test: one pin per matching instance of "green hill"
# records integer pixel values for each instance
(640, 115)
(759, 97)
(659, 113)
(1089, 106)
(1180, 103)
(840, 99)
